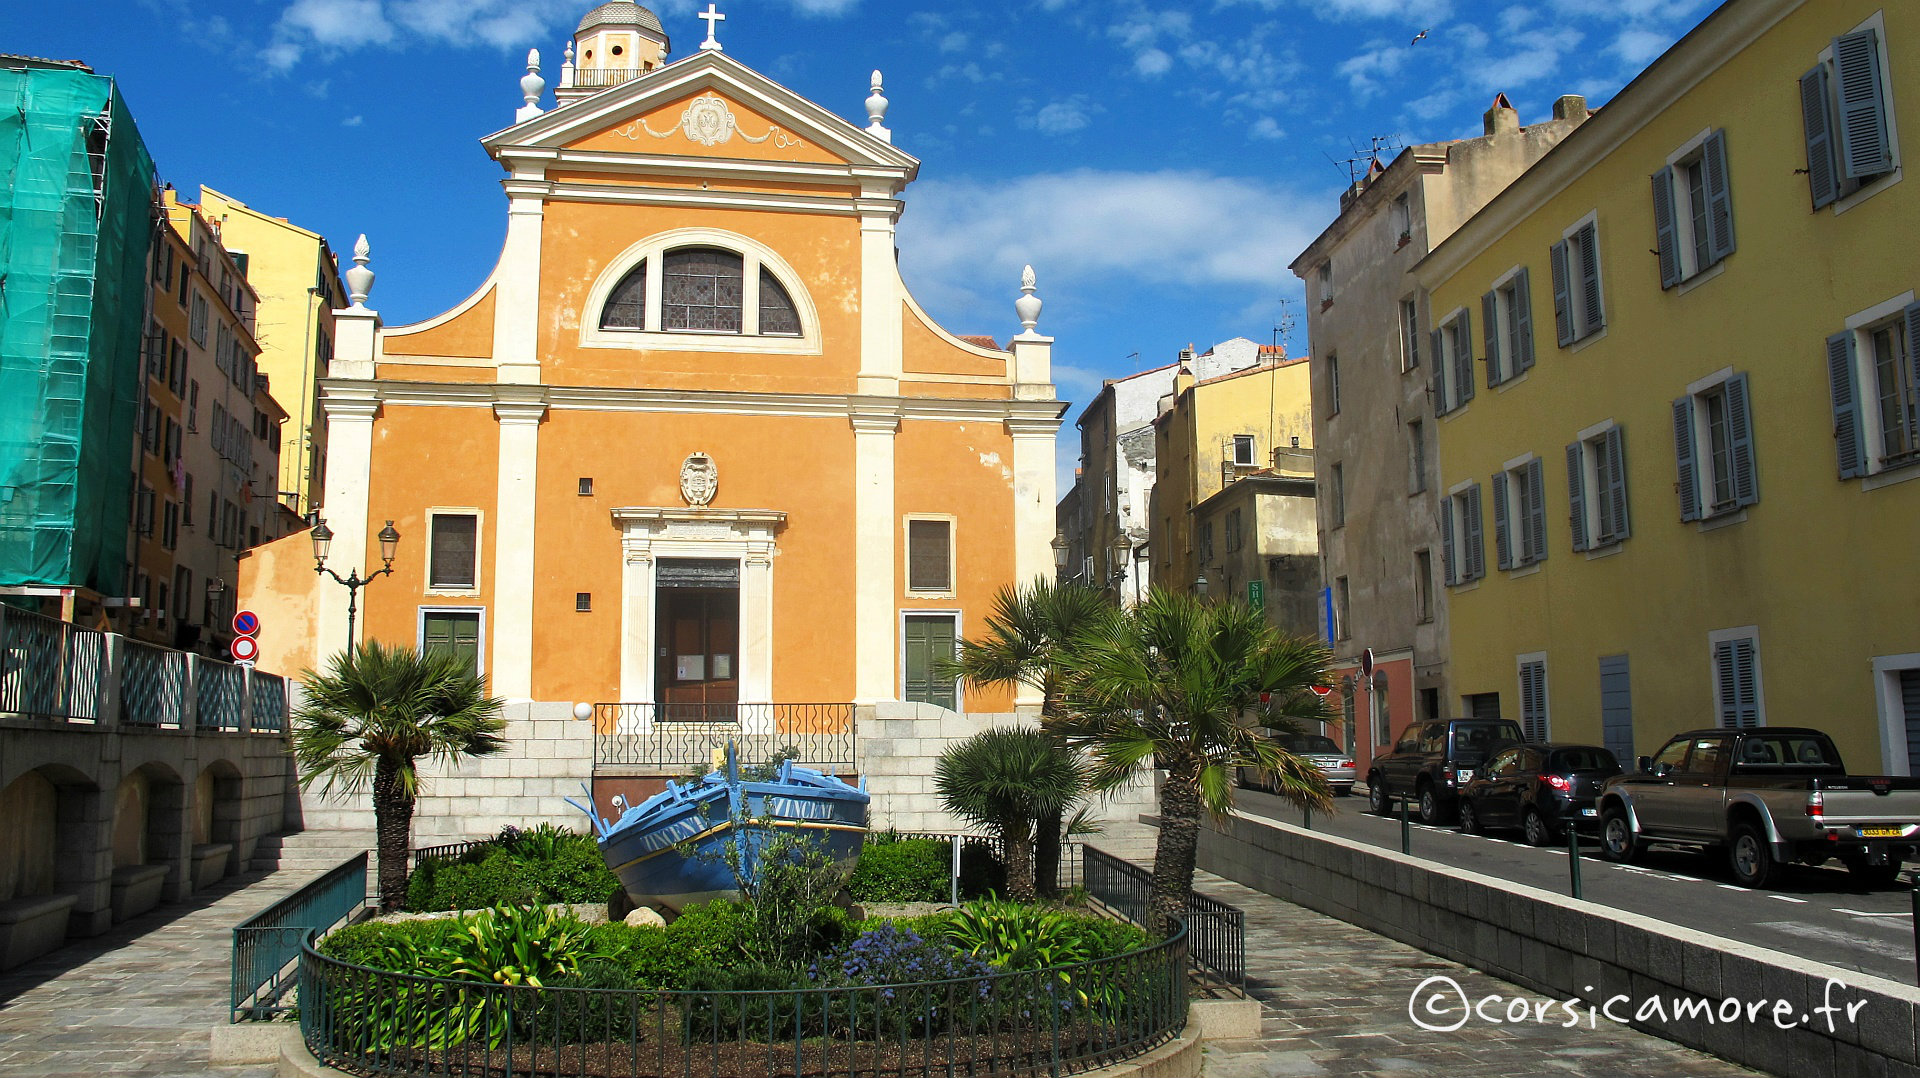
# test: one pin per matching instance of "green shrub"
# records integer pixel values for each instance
(378, 943)
(644, 952)
(712, 934)
(768, 1015)
(911, 870)
(539, 867)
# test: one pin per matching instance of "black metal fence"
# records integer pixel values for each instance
(266, 945)
(686, 735)
(1054, 1021)
(49, 669)
(1216, 932)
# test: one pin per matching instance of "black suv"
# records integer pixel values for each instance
(1433, 761)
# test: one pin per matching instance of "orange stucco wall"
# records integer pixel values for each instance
(278, 583)
(468, 334)
(924, 352)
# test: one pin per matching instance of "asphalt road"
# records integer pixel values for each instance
(1816, 913)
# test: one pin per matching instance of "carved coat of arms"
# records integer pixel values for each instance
(699, 479)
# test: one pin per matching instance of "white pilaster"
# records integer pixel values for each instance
(517, 295)
(880, 293)
(756, 628)
(1033, 503)
(350, 410)
(873, 560)
(636, 623)
(511, 671)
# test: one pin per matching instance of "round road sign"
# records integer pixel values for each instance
(246, 623)
(245, 649)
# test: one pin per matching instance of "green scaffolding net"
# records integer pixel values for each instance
(76, 197)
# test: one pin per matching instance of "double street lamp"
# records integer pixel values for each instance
(323, 542)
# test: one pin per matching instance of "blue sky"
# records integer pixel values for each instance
(1159, 165)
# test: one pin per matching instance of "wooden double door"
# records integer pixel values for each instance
(698, 653)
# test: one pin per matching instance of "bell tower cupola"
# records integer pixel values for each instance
(616, 42)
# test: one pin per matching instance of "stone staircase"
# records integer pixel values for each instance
(313, 851)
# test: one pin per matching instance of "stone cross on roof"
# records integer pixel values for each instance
(713, 19)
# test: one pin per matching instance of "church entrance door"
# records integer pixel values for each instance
(698, 634)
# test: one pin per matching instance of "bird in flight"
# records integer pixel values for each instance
(1419, 37)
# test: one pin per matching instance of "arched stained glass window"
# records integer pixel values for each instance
(776, 307)
(627, 304)
(701, 290)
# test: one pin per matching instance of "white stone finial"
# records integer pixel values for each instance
(531, 87)
(1028, 305)
(877, 111)
(566, 68)
(713, 19)
(359, 278)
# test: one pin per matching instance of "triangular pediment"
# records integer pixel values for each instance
(707, 105)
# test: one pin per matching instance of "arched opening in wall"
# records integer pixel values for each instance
(30, 841)
(148, 855)
(702, 290)
(218, 808)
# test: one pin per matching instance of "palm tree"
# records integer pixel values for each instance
(1005, 779)
(1025, 630)
(1198, 688)
(377, 711)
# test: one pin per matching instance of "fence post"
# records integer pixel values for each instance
(113, 660)
(1406, 830)
(1573, 857)
(190, 696)
(246, 698)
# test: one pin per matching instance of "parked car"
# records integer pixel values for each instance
(1432, 761)
(1322, 752)
(1540, 789)
(1769, 796)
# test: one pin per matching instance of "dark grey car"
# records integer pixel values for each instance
(1432, 762)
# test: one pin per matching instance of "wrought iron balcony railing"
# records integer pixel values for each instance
(685, 735)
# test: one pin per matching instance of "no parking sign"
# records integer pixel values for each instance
(245, 649)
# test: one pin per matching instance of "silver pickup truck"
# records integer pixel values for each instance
(1769, 796)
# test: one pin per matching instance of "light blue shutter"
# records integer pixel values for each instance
(1577, 494)
(1490, 332)
(1913, 368)
(1846, 404)
(1476, 553)
(1746, 485)
(1522, 323)
(1665, 243)
(1439, 376)
(1463, 359)
(1562, 299)
(1689, 478)
(1864, 150)
(1737, 674)
(1593, 318)
(1815, 114)
(1446, 542)
(1615, 482)
(1536, 509)
(1719, 196)
(1502, 541)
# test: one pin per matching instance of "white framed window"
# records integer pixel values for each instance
(1462, 548)
(1416, 456)
(930, 555)
(1333, 384)
(1738, 700)
(1713, 447)
(1520, 514)
(1402, 219)
(1847, 116)
(1579, 303)
(1873, 369)
(1325, 278)
(700, 289)
(1535, 723)
(1452, 377)
(1243, 450)
(1506, 315)
(453, 551)
(1409, 334)
(1597, 487)
(1693, 209)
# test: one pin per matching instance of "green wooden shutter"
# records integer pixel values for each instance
(1746, 484)
(1816, 116)
(1593, 317)
(926, 640)
(1463, 358)
(1447, 560)
(1665, 243)
(1535, 506)
(1713, 157)
(1683, 452)
(453, 631)
(1490, 333)
(1476, 552)
(1864, 149)
(1502, 541)
(1522, 323)
(1439, 376)
(1577, 494)
(1615, 481)
(1562, 298)
(1846, 405)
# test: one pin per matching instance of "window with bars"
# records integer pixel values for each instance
(930, 555)
(453, 547)
(701, 290)
(626, 306)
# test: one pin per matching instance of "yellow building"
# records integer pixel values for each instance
(1256, 421)
(297, 278)
(1674, 481)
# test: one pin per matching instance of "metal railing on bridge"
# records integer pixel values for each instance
(1216, 932)
(267, 945)
(681, 735)
(50, 669)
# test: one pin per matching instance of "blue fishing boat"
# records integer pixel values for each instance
(667, 850)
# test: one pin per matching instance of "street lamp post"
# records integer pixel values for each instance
(323, 541)
(1059, 555)
(1122, 552)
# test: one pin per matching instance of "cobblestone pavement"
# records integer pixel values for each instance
(1335, 1002)
(139, 1000)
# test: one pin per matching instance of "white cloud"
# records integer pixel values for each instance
(1266, 128)
(825, 8)
(1151, 61)
(1639, 47)
(353, 121)
(1061, 117)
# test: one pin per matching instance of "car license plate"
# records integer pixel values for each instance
(1589, 812)
(1881, 832)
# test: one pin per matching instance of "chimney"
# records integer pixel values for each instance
(1502, 118)
(1571, 107)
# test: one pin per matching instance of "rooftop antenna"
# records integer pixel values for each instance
(1283, 326)
(1365, 160)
